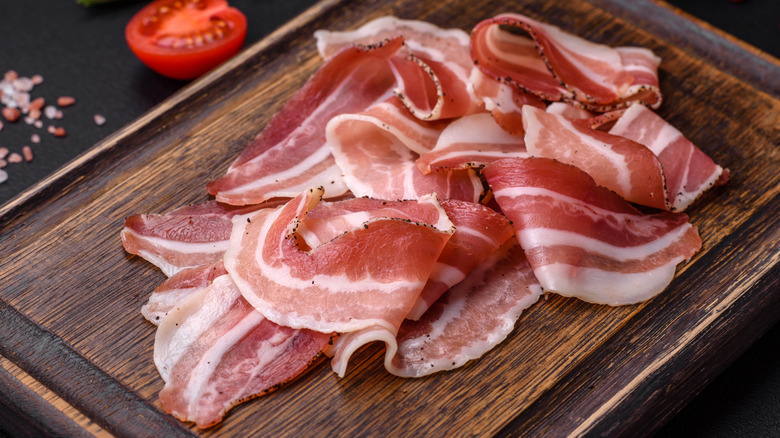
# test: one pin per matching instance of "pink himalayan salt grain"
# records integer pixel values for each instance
(3, 152)
(50, 112)
(38, 124)
(58, 115)
(99, 119)
(50, 129)
(10, 75)
(59, 132)
(3, 176)
(35, 138)
(37, 104)
(11, 114)
(37, 79)
(3, 163)
(27, 153)
(64, 101)
(15, 158)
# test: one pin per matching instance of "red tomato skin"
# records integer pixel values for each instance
(188, 62)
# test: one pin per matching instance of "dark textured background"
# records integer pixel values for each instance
(81, 52)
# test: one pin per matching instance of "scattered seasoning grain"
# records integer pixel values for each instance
(58, 115)
(11, 114)
(50, 129)
(1, 126)
(3, 163)
(50, 112)
(37, 79)
(38, 124)
(3, 152)
(27, 152)
(15, 158)
(59, 132)
(3, 176)
(37, 104)
(35, 114)
(10, 75)
(99, 119)
(35, 138)
(64, 101)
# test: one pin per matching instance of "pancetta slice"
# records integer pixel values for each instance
(186, 237)
(290, 154)
(689, 172)
(177, 288)
(479, 231)
(625, 166)
(377, 150)
(470, 319)
(215, 351)
(585, 241)
(555, 65)
(355, 280)
(432, 72)
(471, 142)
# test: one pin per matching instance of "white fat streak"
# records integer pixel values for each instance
(684, 197)
(204, 369)
(186, 322)
(487, 154)
(347, 221)
(478, 128)
(495, 34)
(533, 126)
(546, 237)
(160, 303)
(449, 275)
(605, 287)
(348, 344)
(410, 125)
(651, 67)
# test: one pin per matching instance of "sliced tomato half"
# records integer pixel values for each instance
(183, 39)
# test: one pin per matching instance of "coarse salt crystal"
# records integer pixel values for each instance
(27, 153)
(15, 158)
(37, 79)
(35, 138)
(50, 112)
(99, 119)
(38, 124)
(3, 176)
(65, 101)
(3, 152)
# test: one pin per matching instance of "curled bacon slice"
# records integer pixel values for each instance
(186, 237)
(290, 154)
(355, 280)
(688, 171)
(620, 164)
(585, 241)
(215, 351)
(376, 151)
(555, 65)
(432, 71)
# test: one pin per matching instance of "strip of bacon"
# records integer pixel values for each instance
(479, 231)
(215, 351)
(186, 237)
(432, 72)
(176, 289)
(555, 65)
(354, 281)
(504, 101)
(290, 154)
(620, 164)
(470, 319)
(376, 151)
(689, 172)
(471, 142)
(585, 241)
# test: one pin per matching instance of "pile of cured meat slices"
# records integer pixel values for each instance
(422, 189)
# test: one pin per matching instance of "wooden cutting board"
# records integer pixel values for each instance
(70, 322)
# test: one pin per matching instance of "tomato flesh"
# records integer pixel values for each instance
(183, 39)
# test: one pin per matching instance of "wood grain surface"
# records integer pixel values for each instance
(71, 297)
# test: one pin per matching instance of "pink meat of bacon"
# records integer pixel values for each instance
(555, 65)
(585, 241)
(432, 72)
(177, 288)
(470, 319)
(688, 171)
(625, 166)
(353, 281)
(186, 237)
(290, 154)
(479, 232)
(215, 351)
(504, 101)
(471, 141)
(376, 151)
